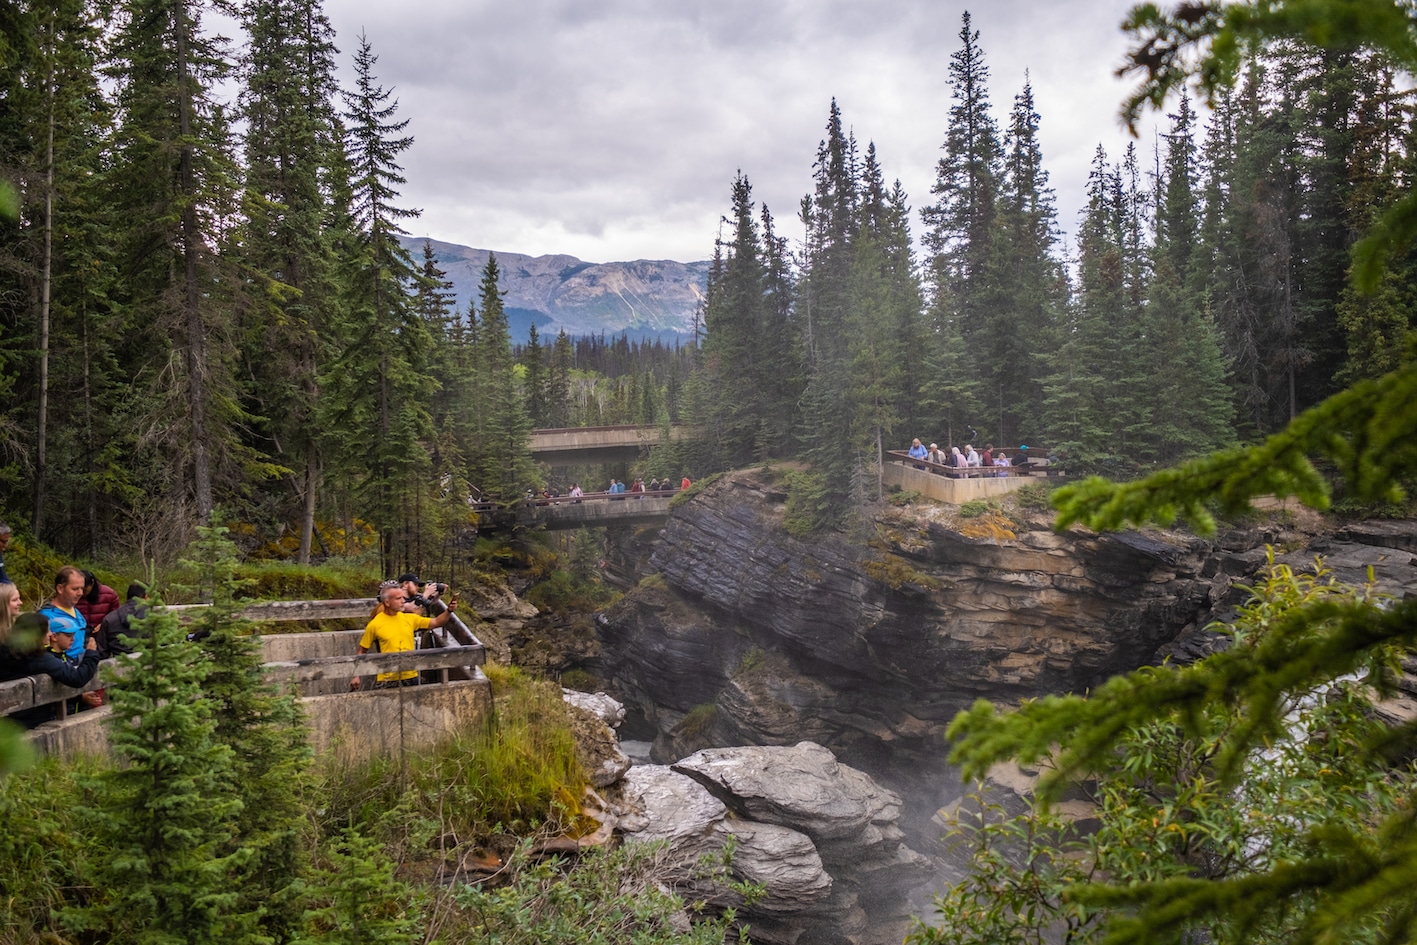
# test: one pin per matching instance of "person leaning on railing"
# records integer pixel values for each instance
(393, 631)
(50, 659)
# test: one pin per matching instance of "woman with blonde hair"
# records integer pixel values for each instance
(9, 609)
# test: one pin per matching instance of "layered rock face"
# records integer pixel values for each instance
(870, 644)
(817, 838)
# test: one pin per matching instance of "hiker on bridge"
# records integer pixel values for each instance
(393, 630)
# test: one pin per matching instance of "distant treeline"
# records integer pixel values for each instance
(204, 305)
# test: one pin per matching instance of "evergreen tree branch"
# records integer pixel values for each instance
(1368, 431)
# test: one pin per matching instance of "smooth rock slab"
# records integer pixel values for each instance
(611, 712)
(803, 787)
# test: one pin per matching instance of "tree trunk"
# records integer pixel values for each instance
(41, 471)
(307, 522)
(196, 329)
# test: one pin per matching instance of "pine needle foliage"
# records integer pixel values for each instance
(165, 812)
(264, 729)
(1255, 807)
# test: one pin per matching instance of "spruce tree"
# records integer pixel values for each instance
(821, 497)
(171, 162)
(376, 389)
(960, 224)
(1186, 370)
(264, 730)
(735, 317)
(502, 462)
(285, 250)
(1028, 287)
(168, 809)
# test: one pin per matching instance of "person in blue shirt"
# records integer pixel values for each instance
(62, 610)
(917, 451)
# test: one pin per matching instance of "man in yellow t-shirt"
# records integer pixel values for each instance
(394, 631)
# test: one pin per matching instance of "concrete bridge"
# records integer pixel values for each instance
(592, 510)
(576, 446)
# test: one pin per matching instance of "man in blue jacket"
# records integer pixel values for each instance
(63, 609)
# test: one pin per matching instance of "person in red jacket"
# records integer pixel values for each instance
(99, 601)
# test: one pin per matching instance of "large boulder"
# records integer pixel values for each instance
(818, 837)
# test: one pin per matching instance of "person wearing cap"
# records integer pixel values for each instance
(51, 659)
(417, 594)
(392, 629)
(62, 609)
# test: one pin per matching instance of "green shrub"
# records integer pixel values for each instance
(903, 497)
(610, 895)
(1035, 495)
(564, 593)
(973, 508)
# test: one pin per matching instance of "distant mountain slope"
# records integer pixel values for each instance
(644, 298)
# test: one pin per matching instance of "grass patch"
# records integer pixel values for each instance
(1036, 496)
(903, 497)
(755, 658)
(517, 774)
(697, 721)
(694, 489)
(894, 572)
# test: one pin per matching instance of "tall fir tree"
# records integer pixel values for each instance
(1186, 370)
(377, 388)
(960, 225)
(285, 252)
(822, 497)
(502, 462)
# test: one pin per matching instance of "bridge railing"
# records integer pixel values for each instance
(452, 651)
(1038, 463)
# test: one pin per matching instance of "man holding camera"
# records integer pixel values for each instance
(419, 595)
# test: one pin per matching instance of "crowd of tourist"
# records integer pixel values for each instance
(965, 459)
(80, 624)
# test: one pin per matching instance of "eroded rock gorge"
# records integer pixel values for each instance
(744, 634)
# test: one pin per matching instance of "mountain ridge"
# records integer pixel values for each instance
(643, 298)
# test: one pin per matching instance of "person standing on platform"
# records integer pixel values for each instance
(393, 631)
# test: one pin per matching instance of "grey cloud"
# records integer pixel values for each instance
(613, 129)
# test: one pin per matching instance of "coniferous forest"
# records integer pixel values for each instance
(205, 306)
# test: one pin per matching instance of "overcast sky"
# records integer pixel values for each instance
(612, 129)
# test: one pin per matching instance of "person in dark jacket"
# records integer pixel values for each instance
(116, 626)
(51, 660)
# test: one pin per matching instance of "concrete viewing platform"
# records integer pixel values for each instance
(455, 695)
(945, 485)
